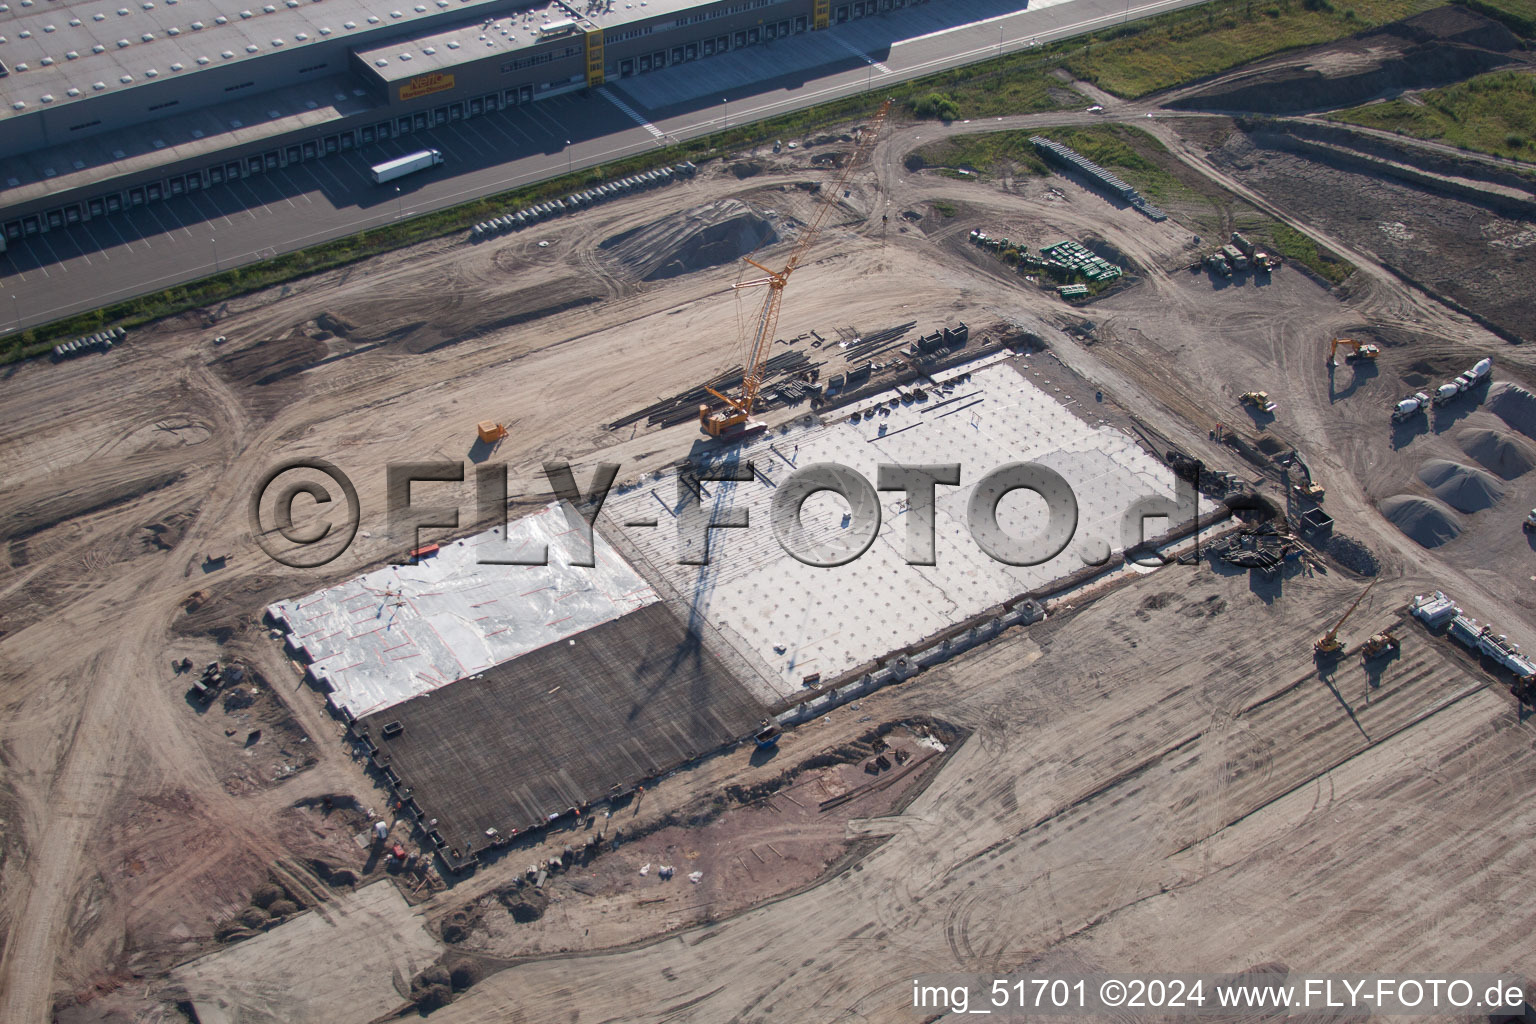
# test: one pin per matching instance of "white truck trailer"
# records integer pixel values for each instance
(399, 167)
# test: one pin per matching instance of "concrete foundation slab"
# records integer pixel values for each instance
(404, 630)
(802, 621)
(560, 727)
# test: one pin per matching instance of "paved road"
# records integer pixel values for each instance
(52, 275)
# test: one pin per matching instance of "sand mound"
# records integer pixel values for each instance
(1497, 451)
(1514, 405)
(1461, 487)
(1425, 520)
(705, 236)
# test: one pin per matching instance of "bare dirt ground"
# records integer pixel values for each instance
(1162, 762)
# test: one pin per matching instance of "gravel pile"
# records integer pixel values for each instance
(1461, 487)
(1502, 453)
(1425, 520)
(1514, 405)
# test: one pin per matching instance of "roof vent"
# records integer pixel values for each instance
(173, 31)
(98, 48)
(197, 26)
(151, 73)
(178, 66)
(47, 97)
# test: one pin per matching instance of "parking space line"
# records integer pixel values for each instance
(290, 185)
(149, 212)
(463, 134)
(493, 123)
(513, 125)
(171, 214)
(96, 245)
(111, 223)
(257, 197)
(52, 253)
(315, 172)
(490, 143)
(207, 218)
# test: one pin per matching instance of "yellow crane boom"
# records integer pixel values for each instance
(739, 409)
(1329, 643)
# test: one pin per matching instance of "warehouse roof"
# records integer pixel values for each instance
(440, 50)
(59, 51)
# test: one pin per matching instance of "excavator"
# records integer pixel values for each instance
(1329, 644)
(1358, 351)
(735, 420)
(1311, 488)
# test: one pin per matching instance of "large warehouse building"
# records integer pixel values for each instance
(109, 104)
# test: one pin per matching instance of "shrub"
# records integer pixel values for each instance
(282, 908)
(936, 105)
(254, 917)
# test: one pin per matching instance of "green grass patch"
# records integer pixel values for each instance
(1518, 15)
(1493, 113)
(1298, 248)
(989, 153)
(1187, 45)
(944, 208)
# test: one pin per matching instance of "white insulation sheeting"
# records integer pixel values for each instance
(404, 630)
(800, 620)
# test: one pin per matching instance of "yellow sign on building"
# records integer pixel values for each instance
(821, 14)
(426, 85)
